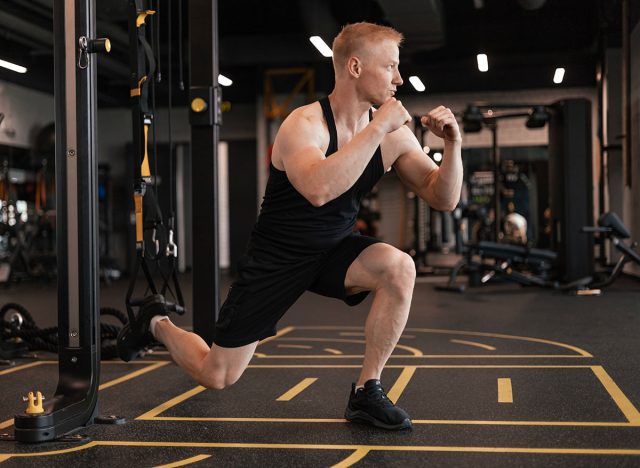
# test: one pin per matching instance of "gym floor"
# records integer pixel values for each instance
(497, 376)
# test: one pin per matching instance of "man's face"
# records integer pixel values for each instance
(380, 76)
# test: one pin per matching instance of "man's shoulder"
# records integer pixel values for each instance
(311, 113)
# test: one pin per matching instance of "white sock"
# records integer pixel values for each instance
(154, 320)
(358, 387)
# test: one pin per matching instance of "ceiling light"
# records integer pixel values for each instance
(322, 46)
(483, 62)
(417, 83)
(558, 75)
(437, 157)
(12, 66)
(224, 81)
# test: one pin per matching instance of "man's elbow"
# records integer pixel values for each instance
(317, 199)
(444, 205)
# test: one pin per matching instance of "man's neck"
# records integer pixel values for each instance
(348, 111)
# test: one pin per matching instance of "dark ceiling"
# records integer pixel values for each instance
(524, 39)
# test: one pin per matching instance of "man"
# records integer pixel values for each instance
(326, 156)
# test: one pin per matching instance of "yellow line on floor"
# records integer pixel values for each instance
(171, 403)
(295, 346)
(580, 351)
(371, 448)
(332, 351)
(412, 350)
(505, 392)
(474, 343)
(280, 333)
(153, 365)
(186, 461)
(424, 356)
(133, 375)
(296, 390)
(627, 408)
(352, 459)
(23, 367)
(401, 384)
(414, 421)
(418, 366)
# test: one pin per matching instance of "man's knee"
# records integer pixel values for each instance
(217, 379)
(400, 274)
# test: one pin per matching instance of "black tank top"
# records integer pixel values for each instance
(287, 220)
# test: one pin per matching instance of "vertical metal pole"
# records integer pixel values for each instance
(75, 401)
(496, 180)
(203, 64)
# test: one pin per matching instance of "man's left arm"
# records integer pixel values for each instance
(439, 186)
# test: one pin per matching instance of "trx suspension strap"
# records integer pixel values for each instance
(151, 236)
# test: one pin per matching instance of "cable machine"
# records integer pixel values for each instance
(75, 401)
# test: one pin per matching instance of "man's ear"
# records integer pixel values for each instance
(354, 65)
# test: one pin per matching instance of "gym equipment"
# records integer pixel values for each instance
(154, 241)
(205, 130)
(610, 227)
(536, 267)
(75, 401)
(478, 114)
(570, 187)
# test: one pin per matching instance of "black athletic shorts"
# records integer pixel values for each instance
(267, 287)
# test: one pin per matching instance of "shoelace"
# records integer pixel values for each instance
(379, 396)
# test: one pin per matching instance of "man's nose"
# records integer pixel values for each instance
(398, 79)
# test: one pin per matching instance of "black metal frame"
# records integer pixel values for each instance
(205, 121)
(75, 401)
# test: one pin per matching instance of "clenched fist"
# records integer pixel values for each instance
(391, 115)
(442, 123)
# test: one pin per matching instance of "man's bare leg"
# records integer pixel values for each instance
(390, 273)
(213, 367)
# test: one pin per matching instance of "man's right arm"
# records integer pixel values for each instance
(320, 179)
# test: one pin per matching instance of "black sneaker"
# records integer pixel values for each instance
(135, 336)
(370, 405)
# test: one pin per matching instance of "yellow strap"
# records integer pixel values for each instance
(143, 16)
(144, 170)
(136, 91)
(138, 201)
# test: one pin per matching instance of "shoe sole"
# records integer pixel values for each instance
(365, 418)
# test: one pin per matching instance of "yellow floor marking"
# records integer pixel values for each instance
(280, 333)
(4, 458)
(474, 343)
(22, 367)
(297, 389)
(153, 365)
(401, 384)
(295, 346)
(352, 459)
(332, 351)
(630, 412)
(505, 392)
(186, 461)
(414, 421)
(171, 403)
(133, 375)
(7, 423)
(350, 333)
(413, 351)
(370, 448)
(424, 356)
(418, 366)
(577, 350)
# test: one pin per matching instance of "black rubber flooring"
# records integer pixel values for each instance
(496, 376)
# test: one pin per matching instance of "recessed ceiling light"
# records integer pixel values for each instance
(417, 83)
(224, 81)
(483, 62)
(558, 75)
(12, 66)
(322, 46)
